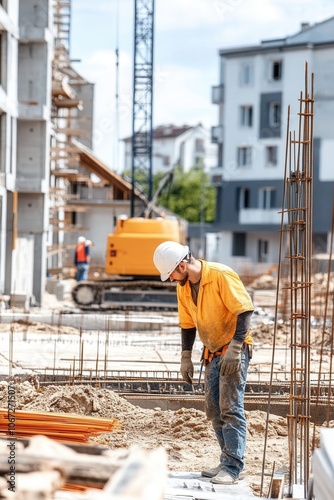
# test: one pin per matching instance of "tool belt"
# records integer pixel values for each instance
(207, 356)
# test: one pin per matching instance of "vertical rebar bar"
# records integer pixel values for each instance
(300, 189)
(296, 229)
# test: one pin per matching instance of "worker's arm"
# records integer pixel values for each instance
(188, 336)
(232, 360)
(87, 252)
(243, 325)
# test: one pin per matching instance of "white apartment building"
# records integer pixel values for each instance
(186, 146)
(25, 96)
(257, 84)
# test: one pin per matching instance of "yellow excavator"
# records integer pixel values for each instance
(134, 280)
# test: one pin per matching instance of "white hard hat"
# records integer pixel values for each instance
(81, 239)
(167, 257)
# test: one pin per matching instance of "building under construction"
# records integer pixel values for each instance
(53, 187)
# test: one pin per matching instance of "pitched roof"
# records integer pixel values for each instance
(322, 32)
(93, 164)
(89, 161)
(316, 34)
(166, 132)
(170, 131)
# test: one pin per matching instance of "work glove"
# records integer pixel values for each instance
(231, 362)
(187, 367)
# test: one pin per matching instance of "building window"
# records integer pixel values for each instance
(199, 146)
(267, 198)
(239, 245)
(262, 250)
(243, 198)
(182, 154)
(271, 156)
(246, 75)
(274, 114)
(270, 115)
(276, 70)
(244, 158)
(1, 58)
(246, 116)
(320, 243)
(166, 161)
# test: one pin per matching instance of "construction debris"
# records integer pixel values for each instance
(45, 467)
(185, 434)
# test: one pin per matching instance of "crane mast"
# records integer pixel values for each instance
(142, 115)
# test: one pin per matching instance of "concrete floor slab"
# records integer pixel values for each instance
(192, 486)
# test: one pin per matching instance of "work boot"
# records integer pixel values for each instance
(223, 477)
(242, 475)
(211, 472)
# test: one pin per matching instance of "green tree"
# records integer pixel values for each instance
(189, 195)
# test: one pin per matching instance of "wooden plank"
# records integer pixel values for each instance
(276, 489)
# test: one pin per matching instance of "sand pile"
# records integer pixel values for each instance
(36, 327)
(263, 334)
(264, 282)
(186, 434)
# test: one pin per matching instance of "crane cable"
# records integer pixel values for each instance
(116, 129)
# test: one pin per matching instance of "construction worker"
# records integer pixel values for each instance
(213, 301)
(82, 259)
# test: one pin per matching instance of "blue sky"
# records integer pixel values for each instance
(188, 35)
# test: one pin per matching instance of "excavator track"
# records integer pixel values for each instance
(125, 295)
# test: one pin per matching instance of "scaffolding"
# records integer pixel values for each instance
(64, 161)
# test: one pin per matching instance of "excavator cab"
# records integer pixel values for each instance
(130, 248)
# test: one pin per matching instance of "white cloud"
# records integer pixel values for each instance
(188, 36)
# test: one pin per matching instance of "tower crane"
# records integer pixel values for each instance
(142, 116)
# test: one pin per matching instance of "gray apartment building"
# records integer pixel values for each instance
(257, 84)
(25, 118)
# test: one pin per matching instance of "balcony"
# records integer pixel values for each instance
(217, 134)
(218, 94)
(6, 23)
(31, 185)
(34, 34)
(4, 101)
(260, 216)
(33, 110)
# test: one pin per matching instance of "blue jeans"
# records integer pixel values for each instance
(224, 406)
(82, 271)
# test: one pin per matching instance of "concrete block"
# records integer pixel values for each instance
(51, 286)
(60, 290)
(21, 300)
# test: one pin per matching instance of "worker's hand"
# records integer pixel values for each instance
(231, 362)
(187, 367)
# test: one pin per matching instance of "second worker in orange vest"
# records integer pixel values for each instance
(82, 258)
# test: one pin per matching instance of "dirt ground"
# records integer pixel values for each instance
(185, 434)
